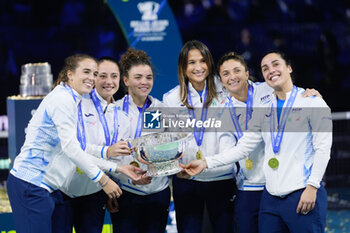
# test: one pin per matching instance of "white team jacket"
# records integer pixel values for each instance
(213, 142)
(61, 171)
(78, 184)
(254, 179)
(158, 183)
(304, 151)
(52, 132)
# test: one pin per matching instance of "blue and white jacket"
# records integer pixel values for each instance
(158, 183)
(77, 183)
(52, 132)
(253, 179)
(213, 142)
(304, 151)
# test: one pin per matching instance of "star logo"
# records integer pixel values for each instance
(152, 119)
(155, 115)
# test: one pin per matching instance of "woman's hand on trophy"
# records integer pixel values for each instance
(183, 174)
(120, 148)
(132, 172)
(110, 187)
(112, 205)
(194, 167)
(143, 181)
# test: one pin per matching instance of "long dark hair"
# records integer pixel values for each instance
(182, 66)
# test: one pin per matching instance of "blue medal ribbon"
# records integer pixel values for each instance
(116, 128)
(249, 110)
(249, 102)
(276, 141)
(80, 127)
(198, 133)
(139, 121)
(103, 120)
(126, 104)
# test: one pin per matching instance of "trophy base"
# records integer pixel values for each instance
(165, 168)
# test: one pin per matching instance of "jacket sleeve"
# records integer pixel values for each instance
(321, 125)
(65, 118)
(246, 144)
(97, 151)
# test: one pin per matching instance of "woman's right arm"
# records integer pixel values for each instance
(231, 154)
(63, 112)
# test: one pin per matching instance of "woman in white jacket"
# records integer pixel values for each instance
(243, 97)
(143, 207)
(106, 126)
(52, 131)
(298, 136)
(214, 188)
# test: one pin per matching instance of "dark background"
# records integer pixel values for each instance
(314, 33)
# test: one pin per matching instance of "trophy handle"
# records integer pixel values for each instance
(142, 157)
(179, 155)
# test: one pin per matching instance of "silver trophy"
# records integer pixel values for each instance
(36, 79)
(161, 151)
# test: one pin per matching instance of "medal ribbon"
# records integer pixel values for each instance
(198, 133)
(80, 130)
(103, 120)
(139, 121)
(249, 110)
(276, 142)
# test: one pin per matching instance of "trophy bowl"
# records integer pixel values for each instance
(161, 151)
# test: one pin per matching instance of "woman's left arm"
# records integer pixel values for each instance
(320, 121)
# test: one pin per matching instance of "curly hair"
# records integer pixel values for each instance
(133, 57)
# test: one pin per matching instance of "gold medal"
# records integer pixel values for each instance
(79, 171)
(273, 163)
(134, 163)
(199, 154)
(249, 164)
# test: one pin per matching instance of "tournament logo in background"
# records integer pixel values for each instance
(152, 119)
(149, 10)
(149, 27)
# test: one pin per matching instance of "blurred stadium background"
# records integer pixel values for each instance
(314, 33)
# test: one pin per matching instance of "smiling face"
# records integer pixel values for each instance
(234, 76)
(139, 82)
(276, 72)
(107, 82)
(197, 69)
(82, 79)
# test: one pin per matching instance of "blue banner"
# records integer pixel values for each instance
(19, 112)
(151, 26)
